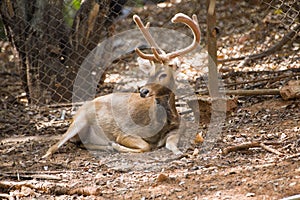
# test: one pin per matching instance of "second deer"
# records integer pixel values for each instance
(132, 122)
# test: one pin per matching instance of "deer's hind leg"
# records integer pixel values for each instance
(125, 144)
(97, 140)
(97, 147)
(113, 146)
(131, 143)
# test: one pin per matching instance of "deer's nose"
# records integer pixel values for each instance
(144, 92)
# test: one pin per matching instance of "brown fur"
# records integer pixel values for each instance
(127, 122)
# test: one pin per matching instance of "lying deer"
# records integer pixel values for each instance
(132, 122)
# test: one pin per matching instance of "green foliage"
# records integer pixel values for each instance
(2, 31)
(135, 3)
(70, 9)
(278, 12)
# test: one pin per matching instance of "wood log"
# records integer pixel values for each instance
(291, 90)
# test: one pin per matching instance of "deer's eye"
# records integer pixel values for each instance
(144, 92)
(162, 76)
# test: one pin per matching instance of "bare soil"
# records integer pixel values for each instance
(75, 173)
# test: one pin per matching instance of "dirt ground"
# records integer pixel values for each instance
(269, 168)
(254, 173)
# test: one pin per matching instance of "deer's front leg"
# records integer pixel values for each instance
(172, 142)
(131, 143)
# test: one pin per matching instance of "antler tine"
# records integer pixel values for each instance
(150, 57)
(149, 39)
(194, 26)
(158, 53)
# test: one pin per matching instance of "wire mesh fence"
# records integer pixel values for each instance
(271, 28)
(46, 43)
(54, 55)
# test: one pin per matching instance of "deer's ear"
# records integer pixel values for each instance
(145, 65)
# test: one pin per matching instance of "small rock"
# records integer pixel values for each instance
(181, 183)
(292, 184)
(198, 138)
(250, 194)
(196, 152)
(162, 178)
(218, 194)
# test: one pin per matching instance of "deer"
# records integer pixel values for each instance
(134, 122)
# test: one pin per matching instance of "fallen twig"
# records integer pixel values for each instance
(246, 92)
(42, 172)
(17, 185)
(253, 92)
(6, 196)
(270, 79)
(28, 138)
(297, 155)
(292, 71)
(61, 105)
(239, 147)
(31, 176)
(267, 148)
(50, 188)
(85, 191)
(249, 145)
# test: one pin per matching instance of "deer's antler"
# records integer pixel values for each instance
(158, 53)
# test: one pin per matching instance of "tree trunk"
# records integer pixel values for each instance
(50, 51)
(213, 84)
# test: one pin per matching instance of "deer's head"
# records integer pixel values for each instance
(161, 63)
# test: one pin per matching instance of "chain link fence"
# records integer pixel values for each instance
(45, 43)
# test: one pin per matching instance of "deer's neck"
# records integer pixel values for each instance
(168, 103)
